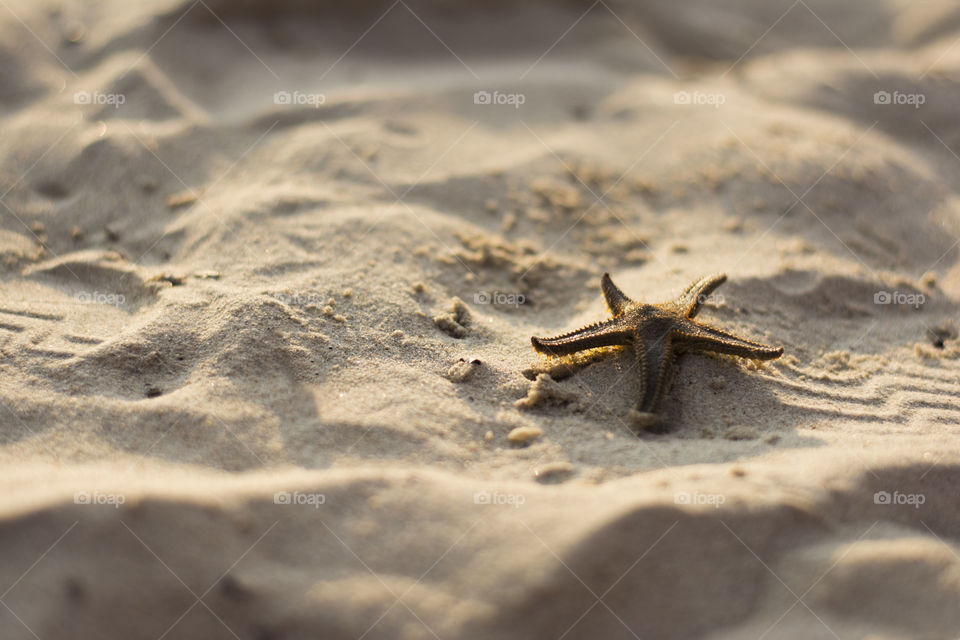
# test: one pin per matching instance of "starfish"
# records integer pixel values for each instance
(657, 333)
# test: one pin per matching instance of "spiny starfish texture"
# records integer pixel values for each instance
(657, 333)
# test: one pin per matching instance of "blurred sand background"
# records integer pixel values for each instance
(240, 398)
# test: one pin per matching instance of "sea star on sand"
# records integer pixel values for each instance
(657, 333)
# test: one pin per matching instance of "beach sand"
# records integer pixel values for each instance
(271, 270)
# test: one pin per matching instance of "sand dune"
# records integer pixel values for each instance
(271, 271)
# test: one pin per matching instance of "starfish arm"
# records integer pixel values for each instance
(688, 303)
(601, 334)
(691, 336)
(655, 365)
(616, 299)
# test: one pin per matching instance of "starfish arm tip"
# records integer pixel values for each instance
(642, 421)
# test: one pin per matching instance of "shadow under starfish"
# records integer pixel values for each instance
(657, 333)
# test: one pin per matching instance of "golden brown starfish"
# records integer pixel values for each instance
(657, 333)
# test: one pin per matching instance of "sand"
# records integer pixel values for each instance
(271, 270)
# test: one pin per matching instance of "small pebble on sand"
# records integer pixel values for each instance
(524, 435)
